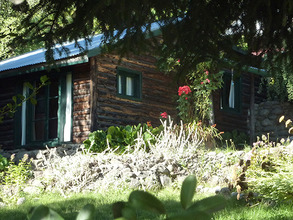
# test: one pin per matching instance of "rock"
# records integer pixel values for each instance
(20, 201)
(225, 191)
(165, 180)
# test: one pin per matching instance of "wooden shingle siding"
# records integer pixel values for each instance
(158, 92)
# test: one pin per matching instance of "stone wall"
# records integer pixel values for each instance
(267, 116)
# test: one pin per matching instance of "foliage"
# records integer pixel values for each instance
(204, 83)
(9, 19)
(195, 102)
(184, 107)
(17, 174)
(140, 200)
(270, 171)
(17, 101)
(235, 139)
(279, 85)
(120, 137)
(213, 28)
(3, 166)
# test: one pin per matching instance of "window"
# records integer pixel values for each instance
(128, 83)
(230, 93)
(50, 120)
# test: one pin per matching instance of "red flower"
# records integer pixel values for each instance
(201, 83)
(208, 80)
(178, 60)
(186, 98)
(164, 115)
(184, 89)
(207, 72)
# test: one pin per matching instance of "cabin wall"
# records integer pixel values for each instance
(7, 91)
(81, 102)
(229, 121)
(158, 92)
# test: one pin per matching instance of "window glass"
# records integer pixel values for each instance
(230, 93)
(129, 83)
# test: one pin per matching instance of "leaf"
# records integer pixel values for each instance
(40, 212)
(14, 99)
(187, 191)
(86, 213)
(281, 118)
(146, 201)
(117, 209)
(209, 205)
(44, 213)
(44, 79)
(129, 213)
(29, 85)
(33, 101)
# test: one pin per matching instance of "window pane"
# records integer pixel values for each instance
(129, 86)
(53, 127)
(54, 87)
(40, 110)
(53, 107)
(39, 130)
(119, 84)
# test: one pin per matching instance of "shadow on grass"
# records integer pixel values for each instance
(68, 209)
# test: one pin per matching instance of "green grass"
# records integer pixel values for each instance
(70, 206)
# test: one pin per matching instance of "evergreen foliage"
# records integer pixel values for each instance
(193, 31)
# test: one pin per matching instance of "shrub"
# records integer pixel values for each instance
(120, 137)
(270, 171)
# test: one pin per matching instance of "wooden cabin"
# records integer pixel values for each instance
(94, 91)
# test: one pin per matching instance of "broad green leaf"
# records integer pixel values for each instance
(29, 85)
(146, 201)
(14, 99)
(191, 215)
(129, 213)
(86, 213)
(44, 79)
(53, 216)
(209, 205)
(187, 191)
(117, 209)
(40, 212)
(33, 101)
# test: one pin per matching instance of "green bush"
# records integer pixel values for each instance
(235, 139)
(17, 173)
(270, 171)
(121, 136)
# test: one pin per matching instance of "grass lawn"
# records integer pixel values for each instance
(69, 207)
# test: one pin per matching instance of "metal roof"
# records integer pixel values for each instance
(38, 56)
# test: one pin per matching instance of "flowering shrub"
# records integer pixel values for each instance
(184, 104)
(164, 115)
(203, 83)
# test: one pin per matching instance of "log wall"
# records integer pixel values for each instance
(158, 93)
(229, 121)
(7, 91)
